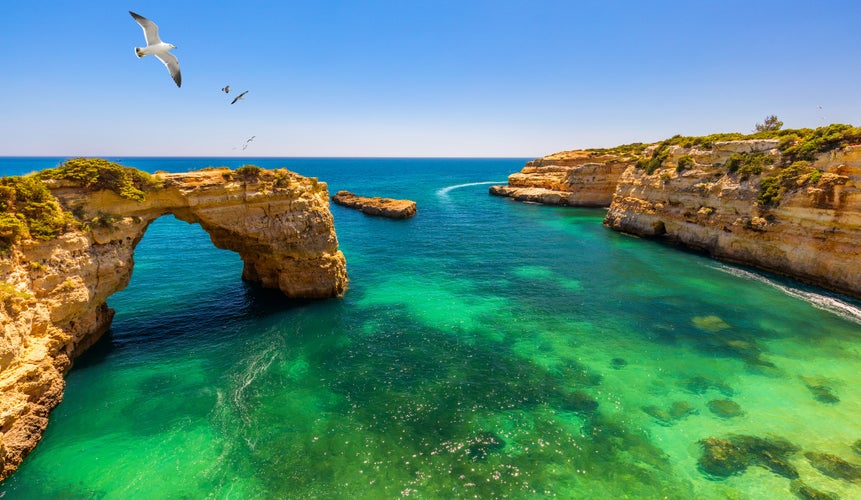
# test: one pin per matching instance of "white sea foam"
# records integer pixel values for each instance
(820, 301)
(443, 192)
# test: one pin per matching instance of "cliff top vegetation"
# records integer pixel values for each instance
(97, 174)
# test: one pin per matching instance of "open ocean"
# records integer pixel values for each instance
(484, 349)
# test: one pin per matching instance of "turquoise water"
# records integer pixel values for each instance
(484, 349)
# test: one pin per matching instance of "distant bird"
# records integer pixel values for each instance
(156, 47)
(239, 97)
(251, 138)
(226, 89)
(245, 147)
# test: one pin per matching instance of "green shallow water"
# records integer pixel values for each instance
(485, 349)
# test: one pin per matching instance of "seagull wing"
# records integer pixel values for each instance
(240, 96)
(149, 28)
(172, 64)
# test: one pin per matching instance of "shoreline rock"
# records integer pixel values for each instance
(383, 207)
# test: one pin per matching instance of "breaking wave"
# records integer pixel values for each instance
(821, 301)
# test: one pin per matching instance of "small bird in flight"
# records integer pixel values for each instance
(226, 89)
(154, 46)
(251, 138)
(239, 97)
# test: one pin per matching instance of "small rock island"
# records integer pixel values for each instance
(383, 207)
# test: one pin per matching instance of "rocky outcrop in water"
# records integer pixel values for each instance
(383, 207)
(54, 292)
(571, 178)
(789, 204)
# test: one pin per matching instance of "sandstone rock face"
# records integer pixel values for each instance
(384, 207)
(52, 304)
(572, 178)
(813, 234)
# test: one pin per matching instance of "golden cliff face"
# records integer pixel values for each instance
(813, 234)
(572, 178)
(52, 304)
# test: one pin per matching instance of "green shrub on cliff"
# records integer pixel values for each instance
(97, 174)
(747, 164)
(684, 163)
(29, 210)
(248, 173)
(799, 174)
(811, 142)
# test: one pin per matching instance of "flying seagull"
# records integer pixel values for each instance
(156, 47)
(226, 89)
(251, 139)
(239, 97)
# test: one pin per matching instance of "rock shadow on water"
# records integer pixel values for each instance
(725, 457)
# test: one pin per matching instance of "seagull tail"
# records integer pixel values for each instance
(139, 52)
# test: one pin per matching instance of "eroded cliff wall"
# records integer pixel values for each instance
(54, 293)
(744, 201)
(813, 232)
(571, 178)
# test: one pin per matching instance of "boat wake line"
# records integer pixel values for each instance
(820, 301)
(443, 192)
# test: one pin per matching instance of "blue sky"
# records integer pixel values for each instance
(417, 78)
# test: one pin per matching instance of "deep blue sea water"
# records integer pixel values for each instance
(484, 349)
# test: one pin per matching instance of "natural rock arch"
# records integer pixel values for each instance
(280, 225)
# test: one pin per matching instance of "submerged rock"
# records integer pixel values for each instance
(578, 402)
(384, 207)
(724, 457)
(834, 466)
(725, 408)
(823, 394)
(483, 444)
(701, 385)
(677, 411)
(856, 446)
(802, 490)
(618, 363)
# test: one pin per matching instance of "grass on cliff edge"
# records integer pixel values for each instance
(97, 174)
(28, 210)
(794, 144)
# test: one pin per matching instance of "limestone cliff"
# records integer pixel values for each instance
(54, 291)
(572, 178)
(813, 233)
(783, 201)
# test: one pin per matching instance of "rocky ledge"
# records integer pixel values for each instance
(67, 243)
(571, 178)
(383, 207)
(786, 201)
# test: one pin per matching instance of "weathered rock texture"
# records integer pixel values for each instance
(384, 207)
(813, 234)
(572, 178)
(53, 301)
